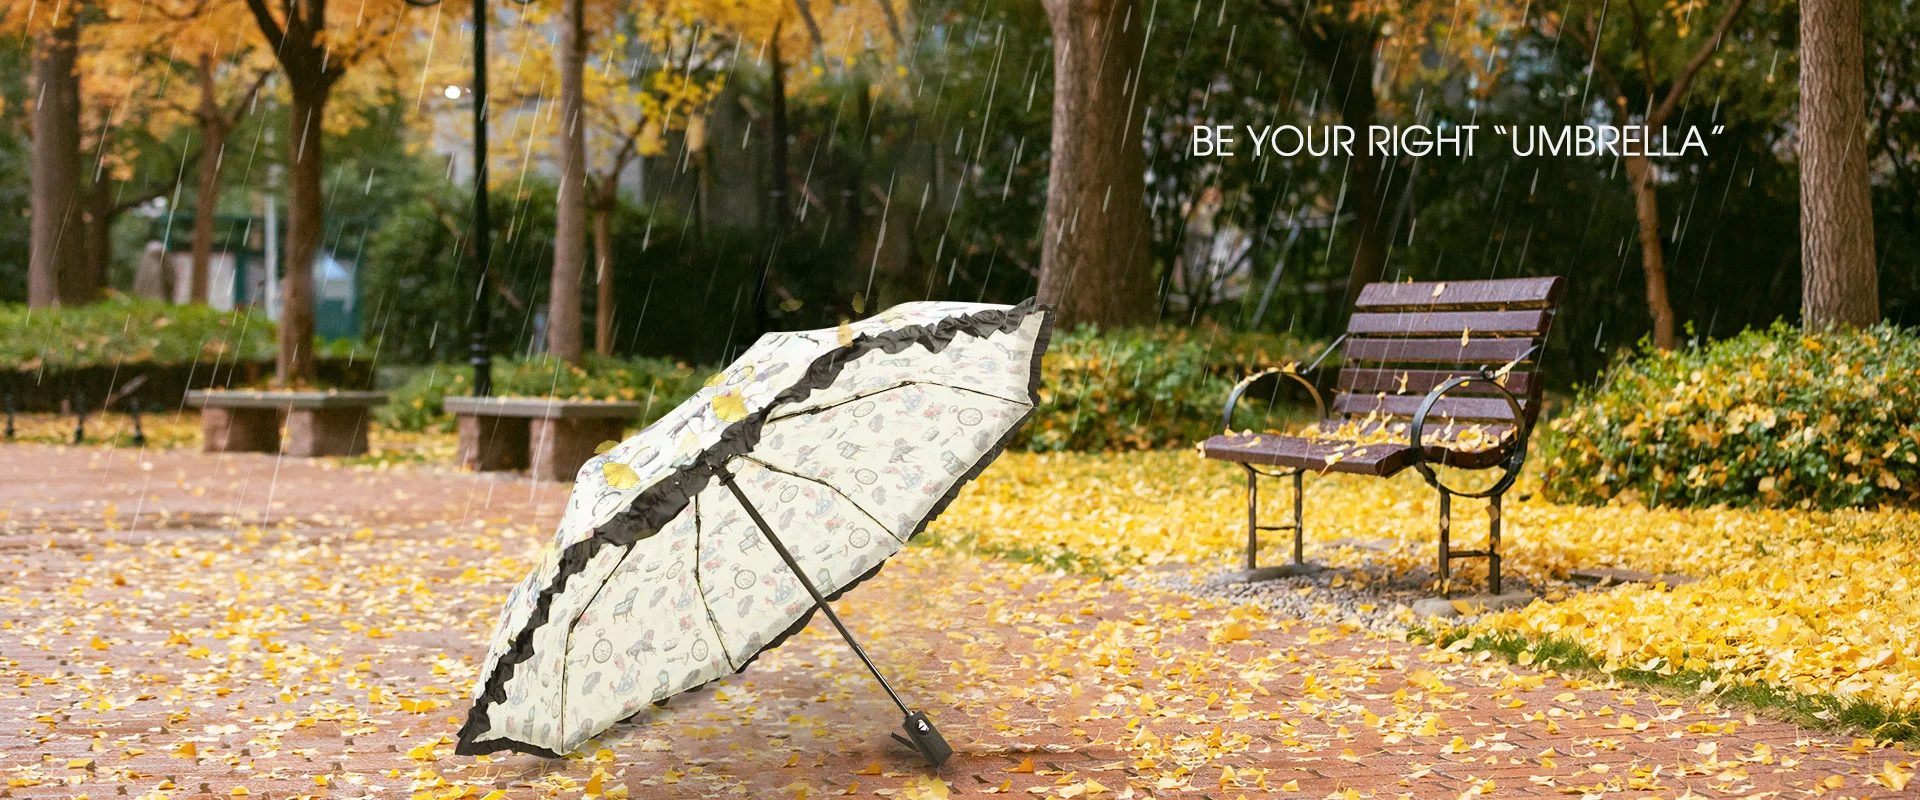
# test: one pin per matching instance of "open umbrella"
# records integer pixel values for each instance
(711, 536)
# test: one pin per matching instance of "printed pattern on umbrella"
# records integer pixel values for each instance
(846, 471)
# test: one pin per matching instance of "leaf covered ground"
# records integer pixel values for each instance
(190, 625)
(1817, 602)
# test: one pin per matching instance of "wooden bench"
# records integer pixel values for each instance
(318, 423)
(549, 438)
(1450, 365)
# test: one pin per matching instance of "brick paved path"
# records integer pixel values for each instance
(199, 628)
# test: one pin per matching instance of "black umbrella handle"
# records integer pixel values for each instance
(921, 735)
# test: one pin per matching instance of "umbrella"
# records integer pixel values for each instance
(712, 535)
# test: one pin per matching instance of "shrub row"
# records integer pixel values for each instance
(1772, 417)
(1128, 389)
(657, 383)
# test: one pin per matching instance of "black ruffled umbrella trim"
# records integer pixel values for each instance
(654, 507)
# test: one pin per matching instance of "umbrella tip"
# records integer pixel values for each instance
(923, 737)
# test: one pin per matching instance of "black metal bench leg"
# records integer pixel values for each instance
(1253, 519)
(1446, 550)
(1299, 528)
(1493, 544)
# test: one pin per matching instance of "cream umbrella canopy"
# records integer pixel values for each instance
(712, 535)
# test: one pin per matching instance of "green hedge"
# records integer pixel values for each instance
(121, 330)
(127, 331)
(1767, 418)
(1129, 389)
(658, 383)
(1143, 388)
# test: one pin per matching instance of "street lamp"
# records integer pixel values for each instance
(480, 356)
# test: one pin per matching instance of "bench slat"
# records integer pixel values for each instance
(1421, 381)
(1291, 451)
(1477, 350)
(1504, 293)
(1530, 322)
(1406, 405)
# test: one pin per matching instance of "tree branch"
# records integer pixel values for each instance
(276, 35)
(1685, 80)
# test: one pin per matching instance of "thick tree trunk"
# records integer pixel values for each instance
(1646, 206)
(1094, 264)
(570, 229)
(96, 226)
(206, 204)
(780, 194)
(304, 221)
(56, 263)
(1348, 57)
(603, 277)
(206, 199)
(1839, 280)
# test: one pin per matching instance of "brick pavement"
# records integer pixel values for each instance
(199, 628)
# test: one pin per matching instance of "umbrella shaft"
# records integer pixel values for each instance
(726, 477)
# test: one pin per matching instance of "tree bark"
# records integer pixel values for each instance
(603, 278)
(1646, 207)
(1094, 265)
(56, 264)
(214, 128)
(96, 232)
(1839, 280)
(1346, 52)
(570, 217)
(780, 193)
(304, 223)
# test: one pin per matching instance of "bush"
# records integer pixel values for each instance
(657, 383)
(128, 331)
(1143, 388)
(1122, 390)
(122, 331)
(1769, 417)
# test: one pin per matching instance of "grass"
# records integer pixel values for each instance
(1813, 710)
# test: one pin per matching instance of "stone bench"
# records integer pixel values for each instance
(549, 438)
(318, 423)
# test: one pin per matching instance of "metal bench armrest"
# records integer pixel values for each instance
(1516, 455)
(1319, 403)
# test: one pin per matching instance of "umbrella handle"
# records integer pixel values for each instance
(921, 735)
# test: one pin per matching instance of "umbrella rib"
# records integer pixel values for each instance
(819, 600)
(883, 390)
(831, 488)
(700, 585)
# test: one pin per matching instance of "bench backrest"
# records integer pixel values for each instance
(1406, 338)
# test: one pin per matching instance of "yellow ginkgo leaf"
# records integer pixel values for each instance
(729, 407)
(715, 379)
(620, 476)
(859, 304)
(846, 333)
(605, 446)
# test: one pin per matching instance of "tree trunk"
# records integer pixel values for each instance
(1094, 264)
(1839, 281)
(1347, 55)
(603, 277)
(56, 260)
(1646, 206)
(206, 199)
(304, 221)
(781, 202)
(570, 216)
(96, 231)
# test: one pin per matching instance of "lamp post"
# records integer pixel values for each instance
(480, 355)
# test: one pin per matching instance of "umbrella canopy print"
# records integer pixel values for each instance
(713, 534)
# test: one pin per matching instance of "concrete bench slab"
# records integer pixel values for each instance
(318, 423)
(551, 439)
